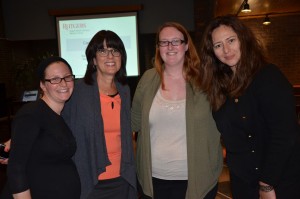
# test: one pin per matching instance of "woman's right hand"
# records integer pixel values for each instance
(7, 148)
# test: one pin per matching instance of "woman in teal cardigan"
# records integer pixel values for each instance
(178, 144)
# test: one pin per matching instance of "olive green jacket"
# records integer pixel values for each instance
(203, 139)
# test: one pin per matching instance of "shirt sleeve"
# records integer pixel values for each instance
(277, 106)
(25, 130)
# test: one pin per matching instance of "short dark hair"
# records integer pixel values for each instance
(46, 62)
(112, 40)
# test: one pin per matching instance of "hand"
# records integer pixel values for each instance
(267, 195)
(7, 145)
(22, 195)
(7, 148)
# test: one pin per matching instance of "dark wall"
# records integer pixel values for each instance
(29, 20)
(281, 40)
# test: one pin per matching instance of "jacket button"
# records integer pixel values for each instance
(236, 100)
(252, 151)
(249, 136)
(256, 168)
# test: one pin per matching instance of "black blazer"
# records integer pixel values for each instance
(260, 130)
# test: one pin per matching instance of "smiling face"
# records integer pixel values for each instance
(61, 92)
(226, 46)
(172, 55)
(107, 65)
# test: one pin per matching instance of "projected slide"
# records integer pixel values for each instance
(74, 34)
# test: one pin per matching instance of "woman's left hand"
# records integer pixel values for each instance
(267, 195)
(266, 191)
(7, 148)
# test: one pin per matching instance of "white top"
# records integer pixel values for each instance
(168, 139)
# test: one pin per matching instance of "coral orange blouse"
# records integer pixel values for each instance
(110, 110)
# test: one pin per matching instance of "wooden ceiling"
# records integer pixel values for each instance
(259, 8)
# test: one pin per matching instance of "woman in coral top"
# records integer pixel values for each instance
(98, 114)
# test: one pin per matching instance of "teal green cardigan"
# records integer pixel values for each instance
(203, 139)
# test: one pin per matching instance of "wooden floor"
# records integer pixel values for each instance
(224, 185)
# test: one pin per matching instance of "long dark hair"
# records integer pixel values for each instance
(218, 79)
(112, 41)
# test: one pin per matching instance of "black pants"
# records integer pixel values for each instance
(243, 190)
(116, 188)
(173, 189)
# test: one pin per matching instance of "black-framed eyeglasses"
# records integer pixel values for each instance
(104, 52)
(175, 42)
(57, 80)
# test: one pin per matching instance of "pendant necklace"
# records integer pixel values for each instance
(112, 96)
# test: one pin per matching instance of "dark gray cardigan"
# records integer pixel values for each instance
(83, 115)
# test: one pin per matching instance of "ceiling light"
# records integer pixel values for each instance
(267, 20)
(246, 7)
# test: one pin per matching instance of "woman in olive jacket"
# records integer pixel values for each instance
(193, 117)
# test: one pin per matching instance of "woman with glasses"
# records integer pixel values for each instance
(178, 145)
(99, 116)
(42, 144)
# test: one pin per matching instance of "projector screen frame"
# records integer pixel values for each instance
(132, 48)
